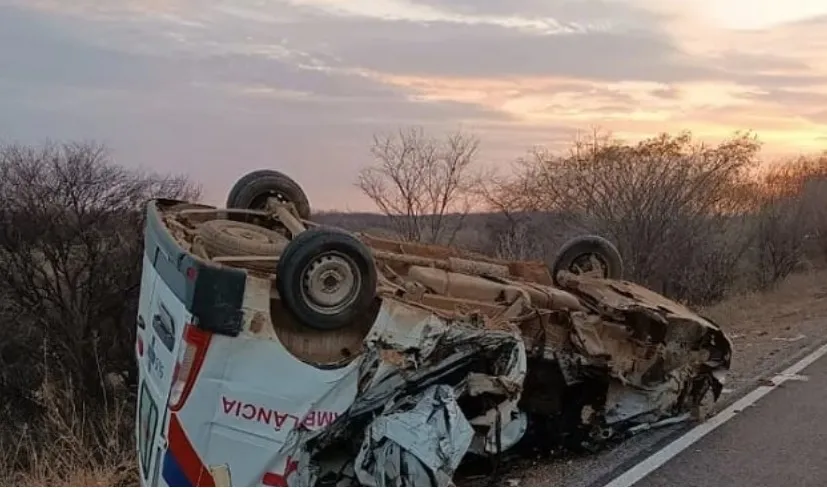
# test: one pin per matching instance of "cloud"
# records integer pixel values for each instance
(492, 51)
(636, 46)
(218, 87)
(212, 106)
(582, 12)
(38, 52)
(498, 39)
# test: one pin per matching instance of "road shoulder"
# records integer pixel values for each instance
(770, 332)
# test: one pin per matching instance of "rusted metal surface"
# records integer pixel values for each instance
(287, 217)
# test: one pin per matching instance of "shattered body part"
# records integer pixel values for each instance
(662, 360)
(433, 388)
(428, 388)
(419, 441)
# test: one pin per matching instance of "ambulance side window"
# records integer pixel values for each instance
(147, 424)
(164, 327)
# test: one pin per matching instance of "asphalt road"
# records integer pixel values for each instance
(779, 441)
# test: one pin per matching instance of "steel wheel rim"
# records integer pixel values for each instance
(330, 283)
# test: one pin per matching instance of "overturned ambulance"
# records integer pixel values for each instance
(274, 351)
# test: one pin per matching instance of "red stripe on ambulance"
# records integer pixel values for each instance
(185, 454)
(275, 479)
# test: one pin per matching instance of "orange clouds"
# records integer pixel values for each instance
(636, 109)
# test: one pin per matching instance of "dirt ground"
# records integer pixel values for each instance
(767, 329)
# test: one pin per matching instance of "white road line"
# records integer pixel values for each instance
(658, 459)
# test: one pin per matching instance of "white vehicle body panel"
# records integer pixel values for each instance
(249, 395)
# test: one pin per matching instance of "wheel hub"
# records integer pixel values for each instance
(274, 195)
(330, 283)
(263, 201)
(589, 265)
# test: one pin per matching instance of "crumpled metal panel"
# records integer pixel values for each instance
(433, 387)
(415, 368)
(418, 441)
(643, 336)
(651, 317)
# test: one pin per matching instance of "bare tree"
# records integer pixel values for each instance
(71, 227)
(518, 242)
(665, 202)
(791, 213)
(812, 186)
(780, 240)
(421, 183)
(815, 194)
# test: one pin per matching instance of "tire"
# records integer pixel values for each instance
(572, 251)
(251, 191)
(320, 252)
(231, 238)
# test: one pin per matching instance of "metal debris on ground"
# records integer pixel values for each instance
(795, 338)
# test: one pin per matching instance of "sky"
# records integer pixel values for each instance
(216, 88)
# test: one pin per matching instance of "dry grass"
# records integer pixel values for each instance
(768, 327)
(71, 446)
(104, 475)
(800, 297)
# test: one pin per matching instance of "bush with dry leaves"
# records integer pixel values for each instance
(71, 227)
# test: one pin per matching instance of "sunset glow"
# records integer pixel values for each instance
(214, 88)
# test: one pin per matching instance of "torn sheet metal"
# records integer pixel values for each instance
(468, 387)
(436, 389)
(458, 381)
(418, 441)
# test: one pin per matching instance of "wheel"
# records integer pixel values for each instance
(588, 255)
(231, 238)
(326, 278)
(252, 190)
